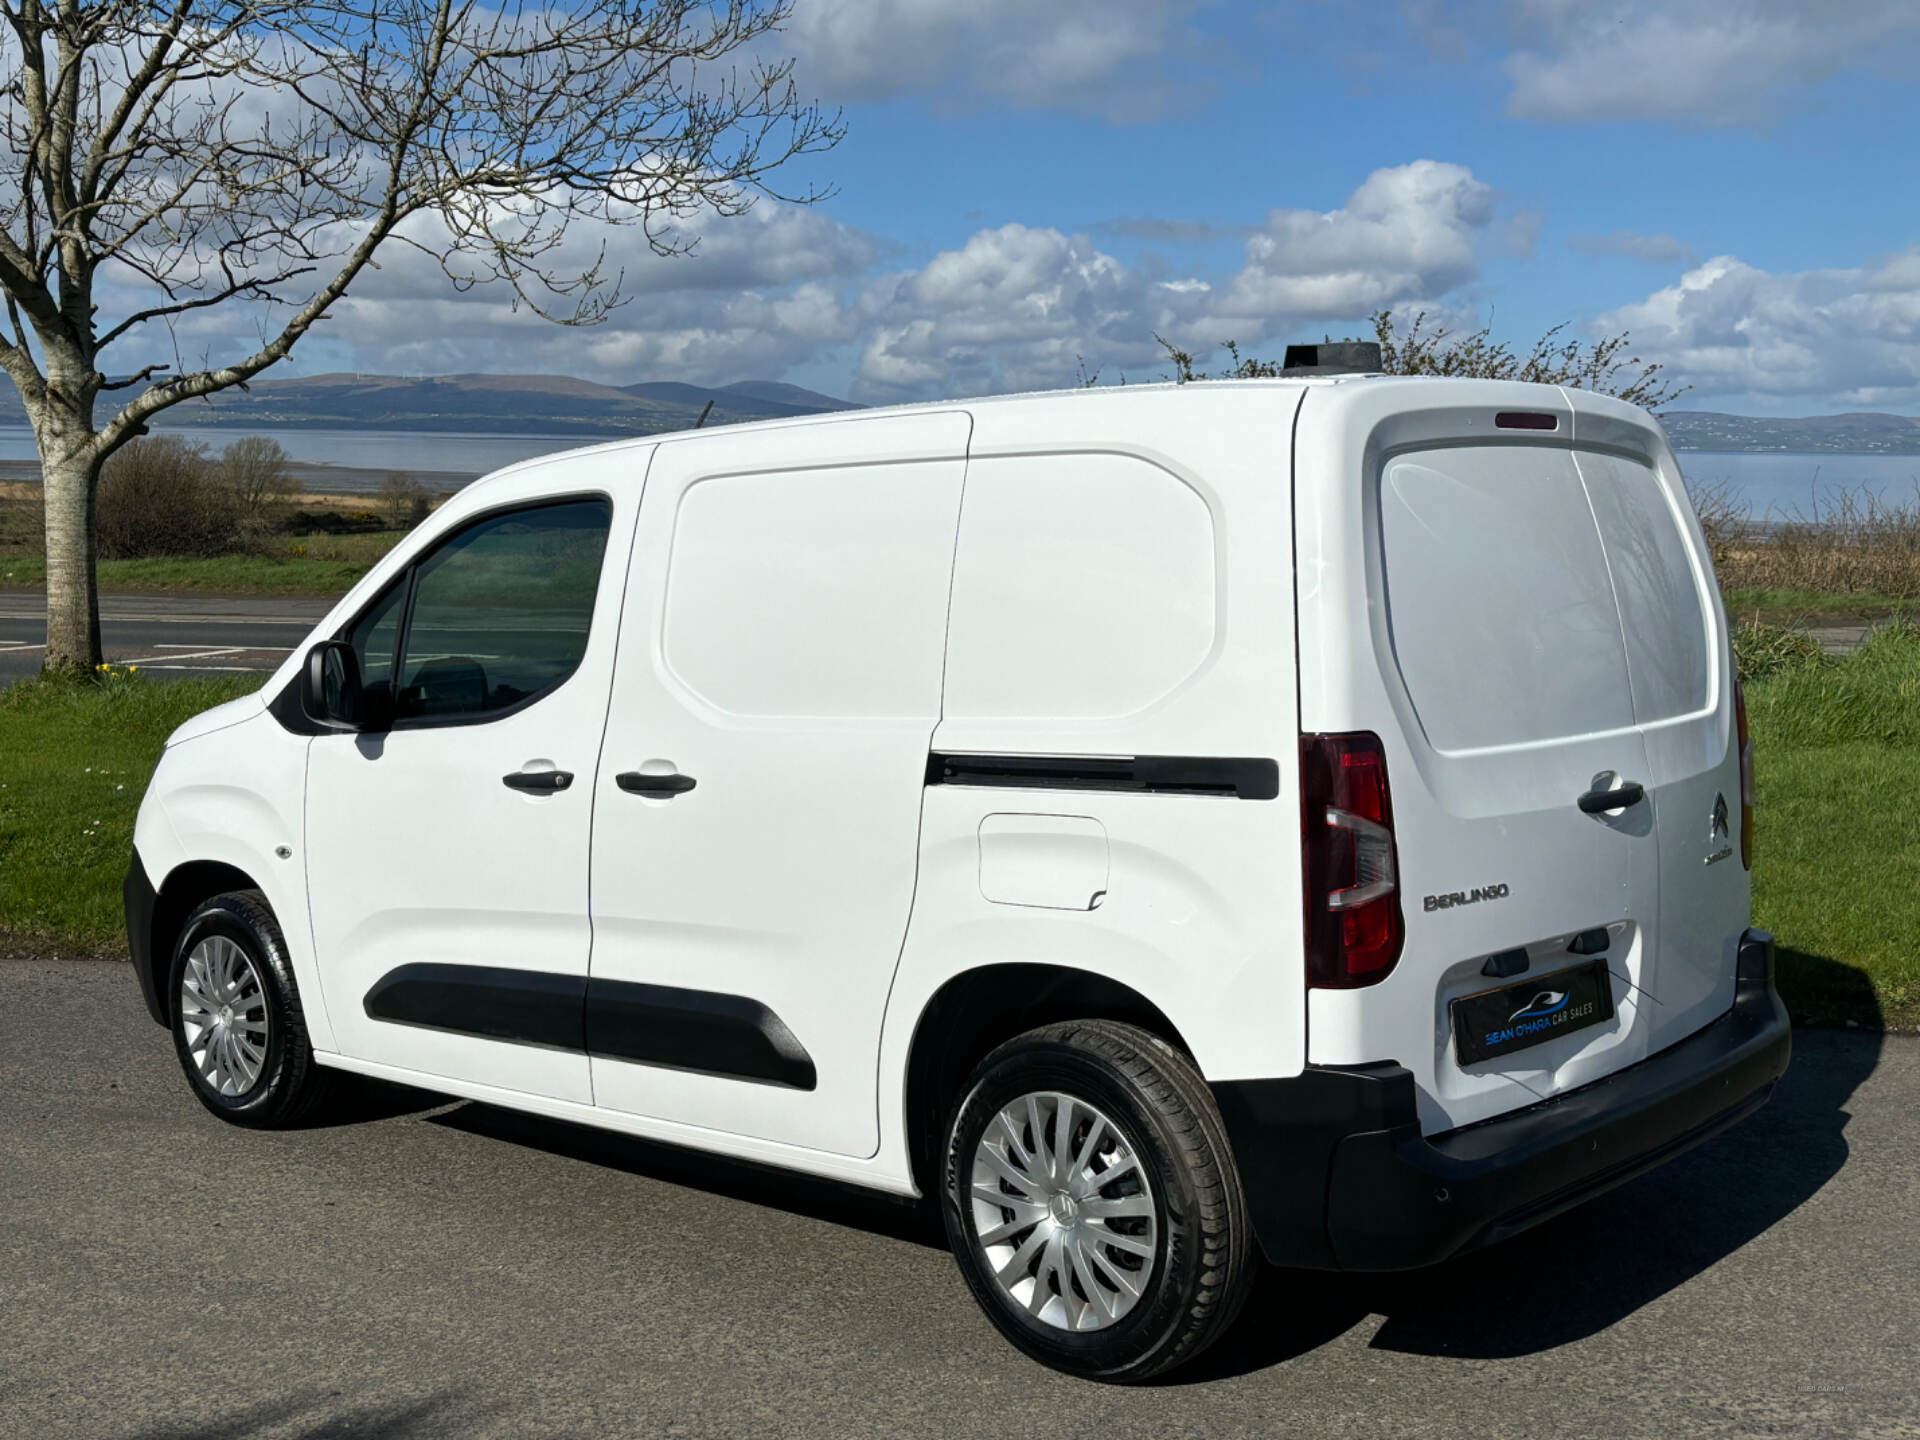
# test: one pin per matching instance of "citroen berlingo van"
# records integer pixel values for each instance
(1164, 827)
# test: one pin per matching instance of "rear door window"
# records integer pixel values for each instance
(1653, 578)
(1499, 603)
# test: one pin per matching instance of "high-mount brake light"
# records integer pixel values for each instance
(1743, 737)
(1354, 925)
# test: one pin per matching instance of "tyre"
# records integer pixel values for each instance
(237, 1024)
(1092, 1201)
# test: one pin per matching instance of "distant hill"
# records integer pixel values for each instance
(567, 405)
(482, 405)
(1861, 433)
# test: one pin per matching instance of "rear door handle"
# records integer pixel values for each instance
(538, 782)
(654, 787)
(1599, 801)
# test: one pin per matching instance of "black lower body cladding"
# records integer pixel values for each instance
(1338, 1175)
(141, 900)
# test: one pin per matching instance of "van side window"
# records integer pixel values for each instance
(501, 610)
(374, 634)
(1083, 585)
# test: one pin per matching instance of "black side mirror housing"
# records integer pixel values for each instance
(330, 692)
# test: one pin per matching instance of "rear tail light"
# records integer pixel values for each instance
(1354, 925)
(1744, 738)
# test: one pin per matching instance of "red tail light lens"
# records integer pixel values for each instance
(1744, 739)
(1354, 925)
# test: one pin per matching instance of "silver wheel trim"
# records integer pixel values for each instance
(1063, 1215)
(223, 1014)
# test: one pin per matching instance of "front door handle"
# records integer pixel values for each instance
(654, 787)
(1598, 801)
(538, 782)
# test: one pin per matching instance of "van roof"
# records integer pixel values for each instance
(1290, 382)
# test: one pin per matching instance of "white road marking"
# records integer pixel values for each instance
(222, 669)
(8, 647)
(190, 655)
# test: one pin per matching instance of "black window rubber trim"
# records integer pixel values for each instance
(1245, 779)
(730, 1036)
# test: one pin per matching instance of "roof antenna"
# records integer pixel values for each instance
(703, 415)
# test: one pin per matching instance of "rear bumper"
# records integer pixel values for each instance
(1338, 1175)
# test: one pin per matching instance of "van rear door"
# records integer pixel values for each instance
(1677, 661)
(1457, 601)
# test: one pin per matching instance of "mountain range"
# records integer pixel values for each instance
(482, 405)
(1859, 433)
(567, 405)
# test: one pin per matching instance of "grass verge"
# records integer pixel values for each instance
(1837, 839)
(1836, 878)
(315, 565)
(1795, 605)
(74, 762)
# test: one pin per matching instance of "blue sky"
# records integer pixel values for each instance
(1025, 182)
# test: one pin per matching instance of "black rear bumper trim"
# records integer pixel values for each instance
(1339, 1176)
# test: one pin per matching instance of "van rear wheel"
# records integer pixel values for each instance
(1092, 1201)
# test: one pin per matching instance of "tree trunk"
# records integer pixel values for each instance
(73, 602)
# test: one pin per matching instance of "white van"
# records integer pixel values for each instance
(1305, 818)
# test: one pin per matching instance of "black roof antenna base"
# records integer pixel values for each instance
(1333, 357)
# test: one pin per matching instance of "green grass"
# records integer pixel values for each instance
(74, 761)
(1837, 837)
(1790, 604)
(324, 565)
(1837, 851)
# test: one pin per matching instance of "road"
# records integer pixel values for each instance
(436, 1268)
(167, 635)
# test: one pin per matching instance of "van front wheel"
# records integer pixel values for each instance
(237, 1024)
(1092, 1201)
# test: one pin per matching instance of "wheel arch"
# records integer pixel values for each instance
(980, 1008)
(184, 889)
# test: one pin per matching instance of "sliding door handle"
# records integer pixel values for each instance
(538, 782)
(654, 787)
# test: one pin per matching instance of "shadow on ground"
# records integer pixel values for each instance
(849, 1205)
(309, 1416)
(1585, 1270)
(1561, 1282)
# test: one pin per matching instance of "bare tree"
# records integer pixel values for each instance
(400, 497)
(1604, 365)
(162, 157)
(258, 472)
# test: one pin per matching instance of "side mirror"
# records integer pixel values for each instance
(330, 686)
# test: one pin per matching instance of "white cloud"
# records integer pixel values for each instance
(1661, 249)
(1802, 340)
(1101, 55)
(1408, 231)
(1711, 62)
(1014, 307)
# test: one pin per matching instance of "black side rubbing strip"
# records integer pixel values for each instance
(527, 1007)
(728, 1035)
(1249, 779)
